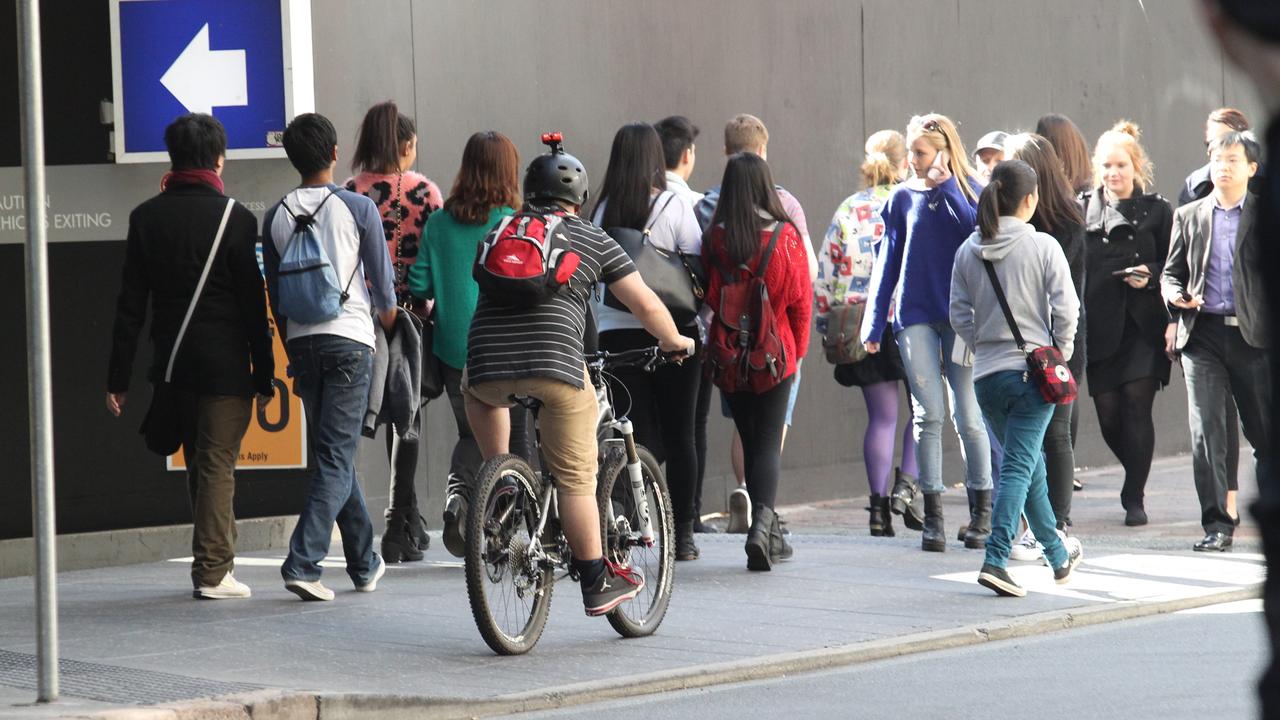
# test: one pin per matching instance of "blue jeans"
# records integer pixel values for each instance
(1019, 417)
(926, 353)
(332, 378)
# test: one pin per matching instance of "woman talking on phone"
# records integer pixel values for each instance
(1126, 241)
(926, 220)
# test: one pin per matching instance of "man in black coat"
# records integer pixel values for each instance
(1249, 32)
(224, 356)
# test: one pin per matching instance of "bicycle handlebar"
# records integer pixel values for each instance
(648, 358)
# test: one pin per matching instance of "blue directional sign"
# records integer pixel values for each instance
(235, 59)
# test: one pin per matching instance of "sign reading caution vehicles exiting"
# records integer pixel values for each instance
(246, 62)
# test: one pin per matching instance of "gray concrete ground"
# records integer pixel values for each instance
(1102, 672)
(133, 636)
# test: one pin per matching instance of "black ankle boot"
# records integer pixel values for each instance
(686, 549)
(906, 500)
(934, 538)
(881, 522)
(975, 538)
(418, 531)
(779, 548)
(758, 538)
(398, 543)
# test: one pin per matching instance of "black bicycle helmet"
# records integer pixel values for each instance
(556, 175)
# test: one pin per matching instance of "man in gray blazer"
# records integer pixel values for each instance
(1213, 276)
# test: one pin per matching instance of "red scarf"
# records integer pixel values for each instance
(192, 177)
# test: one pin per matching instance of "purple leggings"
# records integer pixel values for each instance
(882, 430)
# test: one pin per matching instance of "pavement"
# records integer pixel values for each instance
(135, 645)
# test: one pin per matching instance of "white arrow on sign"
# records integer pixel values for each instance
(202, 79)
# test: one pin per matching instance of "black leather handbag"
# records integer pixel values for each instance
(162, 426)
(676, 278)
(432, 375)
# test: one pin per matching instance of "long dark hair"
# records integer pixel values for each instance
(1058, 207)
(488, 178)
(745, 190)
(1011, 181)
(1071, 148)
(636, 168)
(382, 132)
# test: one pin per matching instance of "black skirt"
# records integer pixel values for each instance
(1137, 357)
(884, 366)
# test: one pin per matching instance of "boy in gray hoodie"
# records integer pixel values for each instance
(1036, 280)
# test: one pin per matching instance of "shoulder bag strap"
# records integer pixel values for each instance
(1004, 305)
(670, 196)
(204, 275)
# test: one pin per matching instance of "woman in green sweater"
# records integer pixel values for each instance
(487, 189)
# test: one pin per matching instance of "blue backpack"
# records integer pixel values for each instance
(308, 284)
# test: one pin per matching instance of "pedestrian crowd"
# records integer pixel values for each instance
(987, 286)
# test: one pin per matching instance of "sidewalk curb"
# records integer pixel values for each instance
(296, 705)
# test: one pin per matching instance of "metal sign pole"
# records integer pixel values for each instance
(39, 381)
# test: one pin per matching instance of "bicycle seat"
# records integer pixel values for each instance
(529, 403)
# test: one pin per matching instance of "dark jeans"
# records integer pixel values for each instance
(1060, 461)
(213, 426)
(760, 420)
(331, 375)
(1218, 362)
(466, 459)
(662, 408)
(1018, 416)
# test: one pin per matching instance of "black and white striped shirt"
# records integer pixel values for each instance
(545, 341)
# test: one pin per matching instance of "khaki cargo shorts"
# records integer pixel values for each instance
(566, 423)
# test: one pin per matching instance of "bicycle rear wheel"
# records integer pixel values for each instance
(621, 524)
(510, 595)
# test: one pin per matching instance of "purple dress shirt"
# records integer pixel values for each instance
(1219, 293)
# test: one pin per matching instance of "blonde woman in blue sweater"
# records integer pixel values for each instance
(926, 219)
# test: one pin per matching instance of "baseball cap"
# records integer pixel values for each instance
(993, 140)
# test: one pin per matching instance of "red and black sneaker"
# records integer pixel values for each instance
(616, 585)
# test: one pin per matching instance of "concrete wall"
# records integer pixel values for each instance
(823, 74)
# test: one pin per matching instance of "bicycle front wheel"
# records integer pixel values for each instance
(510, 594)
(621, 524)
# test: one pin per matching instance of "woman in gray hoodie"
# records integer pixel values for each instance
(1035, 277)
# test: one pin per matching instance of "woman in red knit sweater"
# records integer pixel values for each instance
(745, 218)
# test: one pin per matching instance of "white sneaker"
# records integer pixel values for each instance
(1027, 549)
(226, 589)
(1075, 553)
(739, 511)
(381, 569)
(308, 590)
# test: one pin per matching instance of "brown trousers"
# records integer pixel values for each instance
(213, 426)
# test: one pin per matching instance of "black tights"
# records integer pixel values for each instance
(1125, 418)
(760, 420)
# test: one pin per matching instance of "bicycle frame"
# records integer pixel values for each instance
(623, 433)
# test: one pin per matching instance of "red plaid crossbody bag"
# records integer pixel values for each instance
(1045, 365)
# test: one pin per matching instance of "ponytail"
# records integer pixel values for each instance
(1011, 182)
(378, 141)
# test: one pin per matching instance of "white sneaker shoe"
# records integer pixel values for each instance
(226, 589)
(739, 511)
(308, 590)
(379, 571)
(1027, 549)
(1075, 553)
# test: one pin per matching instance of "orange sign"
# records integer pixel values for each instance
(277, 436)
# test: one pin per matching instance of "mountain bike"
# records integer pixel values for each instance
(516, 550)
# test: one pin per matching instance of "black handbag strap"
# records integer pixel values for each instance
(654, 220)
(1004, 305)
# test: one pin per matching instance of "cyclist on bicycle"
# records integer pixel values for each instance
(537, 352)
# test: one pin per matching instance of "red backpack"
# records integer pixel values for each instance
(525, 259)
(744, 351)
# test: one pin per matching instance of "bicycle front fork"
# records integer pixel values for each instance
(636, 474)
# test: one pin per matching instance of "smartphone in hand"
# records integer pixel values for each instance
(938, 172)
